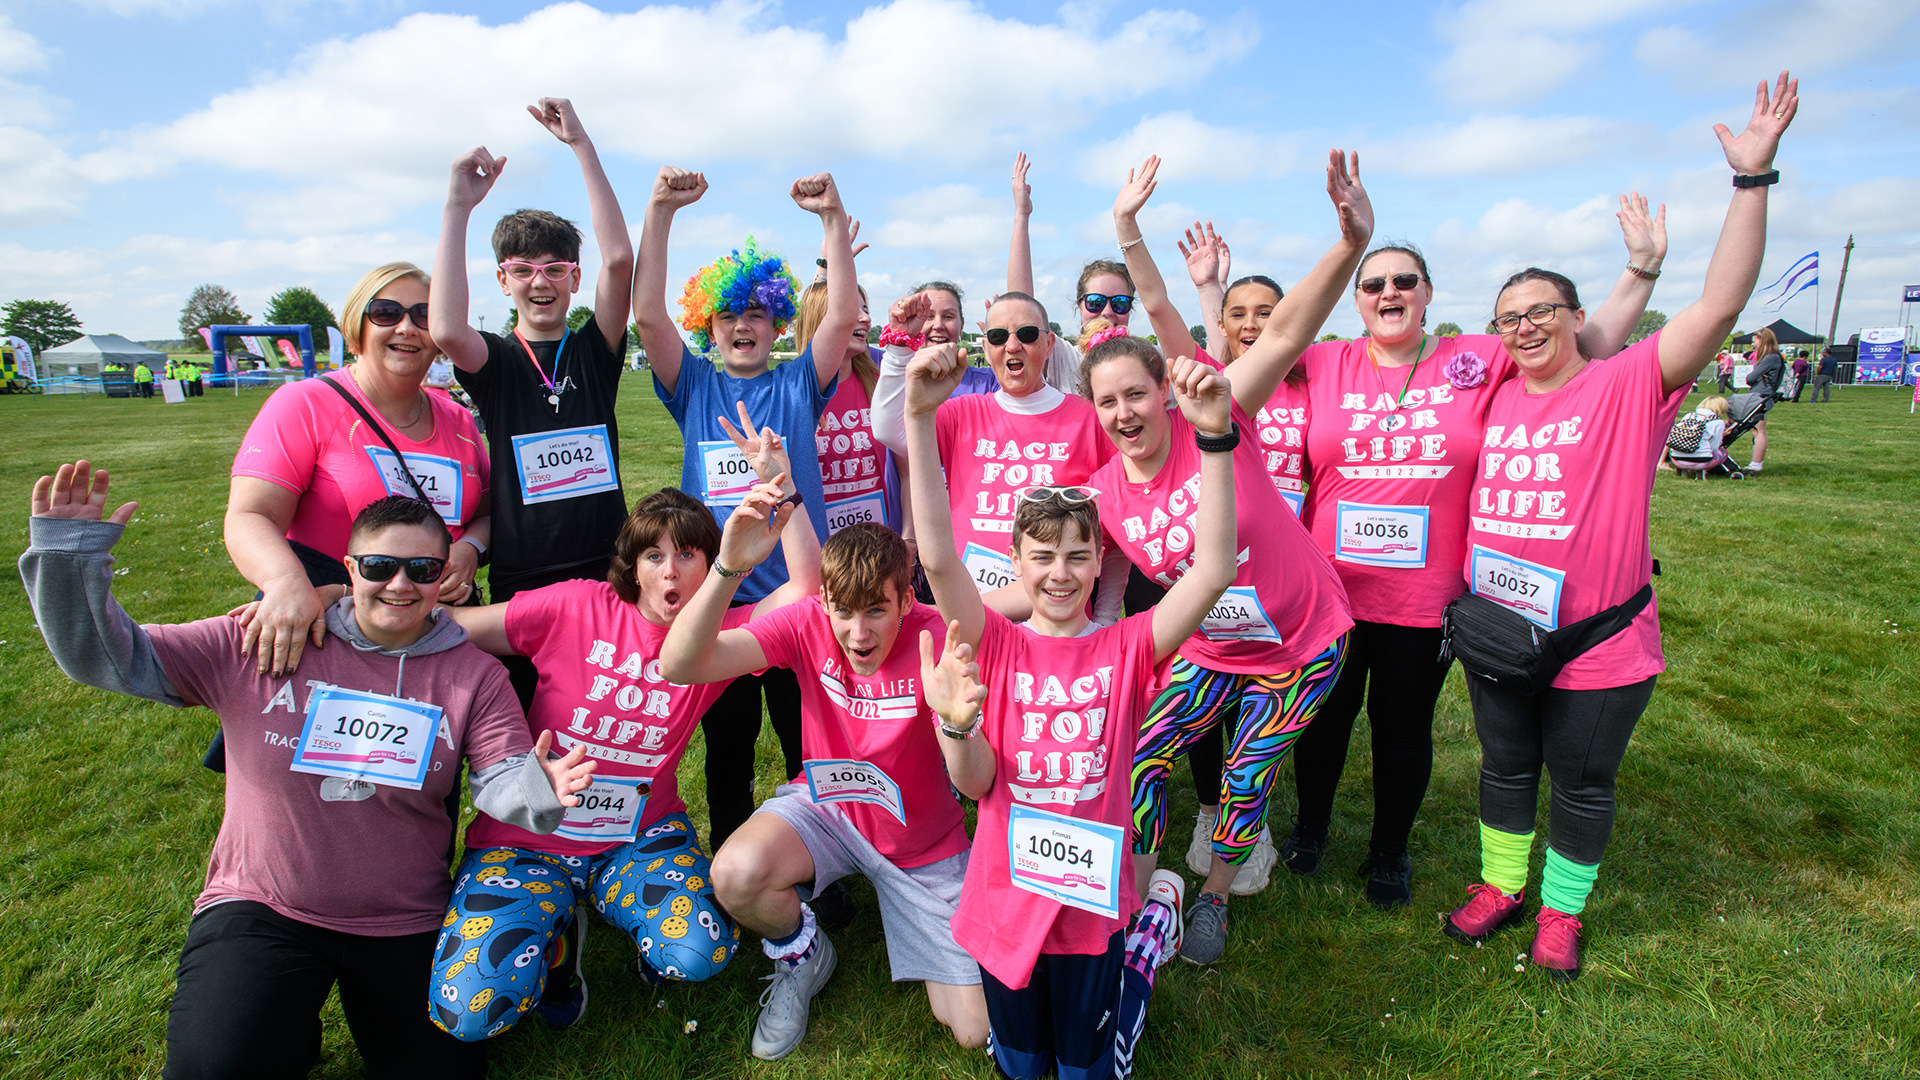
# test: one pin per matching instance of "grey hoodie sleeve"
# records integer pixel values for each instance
(68, 573)
(515, 791)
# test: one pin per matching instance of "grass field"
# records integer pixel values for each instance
(1756, 916)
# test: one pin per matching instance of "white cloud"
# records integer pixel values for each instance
(1806, 36)
(1514, 49)
(954, 218)
(1160, 223)
(1507, 145)
(1190, 149)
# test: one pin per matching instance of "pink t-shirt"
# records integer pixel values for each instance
(1279, 432)
(853, 467)
(309, 441)
(346, 855)
(992, 452)
(1564, 483)
(1387, 494)
(881, 719)
(1062, 716)
(600, 686)
(1285, 605)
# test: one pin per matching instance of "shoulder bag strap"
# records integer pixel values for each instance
(418, 491)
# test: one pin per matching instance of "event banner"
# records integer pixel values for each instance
(22, 357)
(1912, 295)
(1883, 352)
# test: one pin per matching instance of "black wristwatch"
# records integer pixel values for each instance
(1741, 180)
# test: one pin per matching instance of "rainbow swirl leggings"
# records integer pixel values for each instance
(1267, 712)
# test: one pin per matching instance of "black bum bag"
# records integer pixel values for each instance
(1492, 642)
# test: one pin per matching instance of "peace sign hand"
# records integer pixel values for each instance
(762, 447)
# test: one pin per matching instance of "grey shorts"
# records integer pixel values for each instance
(916, 906)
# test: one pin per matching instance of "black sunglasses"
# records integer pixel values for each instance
(421, 569)
(1097, 302)
(999, 334)
(1374, 286)
(384, 312)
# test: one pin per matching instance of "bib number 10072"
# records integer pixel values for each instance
(371, 737)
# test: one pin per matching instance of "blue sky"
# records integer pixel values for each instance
(147, 146)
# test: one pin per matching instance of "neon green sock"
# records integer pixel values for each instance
(1567, 883)
(1505, 858)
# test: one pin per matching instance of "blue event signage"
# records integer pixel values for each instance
(1912, 295)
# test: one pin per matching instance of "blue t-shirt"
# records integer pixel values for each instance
(787, 399)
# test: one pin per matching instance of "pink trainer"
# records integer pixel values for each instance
(1556, 945)
(1486, 912)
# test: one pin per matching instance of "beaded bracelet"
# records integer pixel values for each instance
(1643, 275)
(893, 335)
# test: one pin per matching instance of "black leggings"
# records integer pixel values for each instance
(1397, 670)
(731, 727)
(251, 984)
(1206, 755)
(1579, 735)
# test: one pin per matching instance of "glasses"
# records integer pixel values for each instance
(999, 334)
(389, 313)
(1072, 496)
(521, 270)
(1374, 286)
(1538, 315)
(1097, 302)
(421, 569)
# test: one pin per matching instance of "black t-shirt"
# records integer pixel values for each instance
(554, 533)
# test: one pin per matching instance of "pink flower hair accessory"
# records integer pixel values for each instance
(1101, 337)
(1466, 370)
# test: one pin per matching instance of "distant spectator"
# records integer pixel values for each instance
(1725, 380)
(1714, 412)
(1823, 377)
(1763, 380)
(1800, 367)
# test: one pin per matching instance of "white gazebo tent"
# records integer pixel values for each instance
(77, 366)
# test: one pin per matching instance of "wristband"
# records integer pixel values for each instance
(1218, 444)
(893, 335)
(1125, 244)
(477, 545)
(729, 574)
(1742, 180)
(821, 262)
(1643, 275)
(954, 733)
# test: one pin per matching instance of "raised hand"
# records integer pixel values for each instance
(762, 447)
(910, 313)
(1226, 261)
(932, 375)
(1645, 234)
(1751, 152)
(569, 774)
(77, 491)
(676, 187)
(1137, 190)
(1022, 191)
(1205, 396)
(754, 526)
(473, 175)
(950, 679)
(1202, 249)
(1349, 197)
(817, 194)
(556, 115)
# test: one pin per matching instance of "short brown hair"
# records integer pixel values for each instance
(668, 514)
(860, 561)
(1046, 519)
(525, 233)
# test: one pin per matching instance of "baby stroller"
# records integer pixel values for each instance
(1745, 413)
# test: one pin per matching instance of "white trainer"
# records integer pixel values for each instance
(1255, 872)
(1167, 887)
(789, 998)
(1200, 851)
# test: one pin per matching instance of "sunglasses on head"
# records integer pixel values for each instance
(522, 270)
(1095, 303)
(384, 312)
(1072, 496)
(999, 335)
(1374, 286)
(421, 569)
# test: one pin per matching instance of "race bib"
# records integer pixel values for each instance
(853, 511)
(439, 477)
(988, 569)
(854, 781)
(557, 465)
(1239, 616)
(729, 475)
(1074, 862)
(1382, 535)
(1295, 501)
(609, 811)
(370, 737)
(1530, 589)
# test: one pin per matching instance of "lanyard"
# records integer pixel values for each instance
(1398, 402)
(553, 394)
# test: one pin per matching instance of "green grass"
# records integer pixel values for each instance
(1757, 915)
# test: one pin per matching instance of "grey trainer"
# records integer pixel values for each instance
(1205, 936)
(788, 998)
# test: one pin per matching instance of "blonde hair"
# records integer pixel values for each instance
(1716, 405)
(353, 313)
(813, 310)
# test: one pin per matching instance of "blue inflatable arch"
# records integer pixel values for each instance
(217, 341)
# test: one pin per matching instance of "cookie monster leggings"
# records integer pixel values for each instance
(1266, 713)
(509, 904)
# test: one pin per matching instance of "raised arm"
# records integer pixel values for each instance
(258, 515)
(612, 287)
(696, 649)
(1149, 288)
(486, 627)
(931, 378)
(951, 681)
(1298, 318)
(1689, 339)
(474, 173)
(818, 194)
(1207, 261)
(1205, 400)
(767, 453)
(906, 318)
(659, 335)
(1020, 249)
(1614, 321)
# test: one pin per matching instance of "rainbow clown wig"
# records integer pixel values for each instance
(736, 282)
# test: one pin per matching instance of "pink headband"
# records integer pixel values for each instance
(1101, 337)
